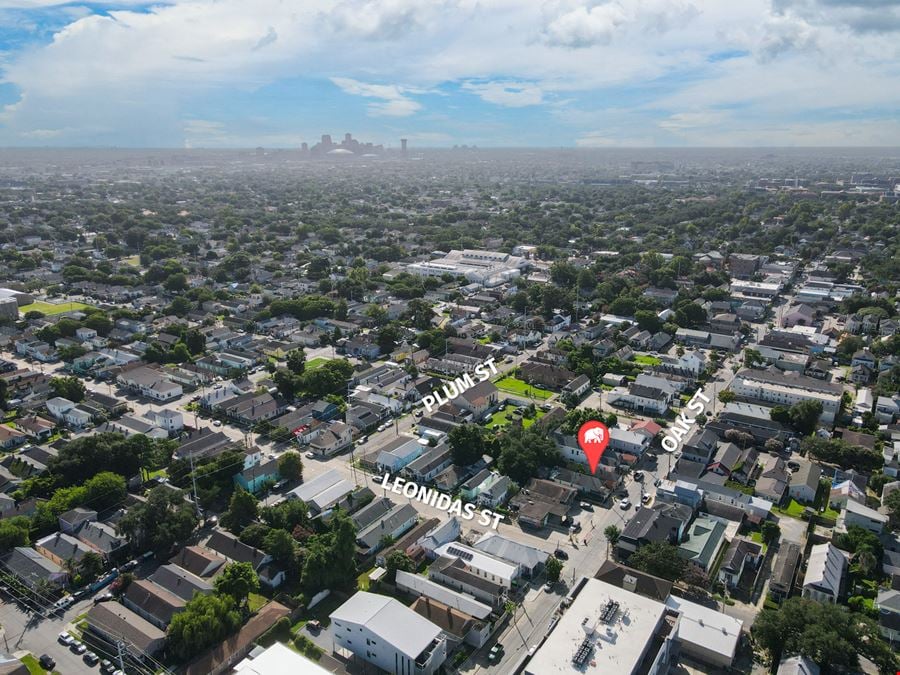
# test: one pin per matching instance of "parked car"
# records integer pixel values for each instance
(639, 475)
(310, 455)
(105, 597)
(587, 506)
(559, 554)
(65, 639)
(63, 603)
(625, 504)
(130, 565)
(657, 482)
(78, 647)
(314, 626)
(91, 658)
(47, 662)
(495, 653)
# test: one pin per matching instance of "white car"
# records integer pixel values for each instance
(65, 639)
(625, 504)
(310, 455)
(217, 423)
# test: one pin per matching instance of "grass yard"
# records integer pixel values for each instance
(647, 360)
(794, 509)
(320, 611)
(514, 385)
(132, 260)
(317, 362)
(52, 308)
(33, 666)
(362, 581)
(504, 417)
(756, 536)
(256, 601)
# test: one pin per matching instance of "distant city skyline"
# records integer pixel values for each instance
(496, 73)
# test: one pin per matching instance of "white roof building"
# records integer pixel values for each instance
(416, 584)
(487, 268)
(862, 516)
(526, 557)
(606, 630)
(322, 491)
(825, 570)
(486, 566)
(389, 634)
(706, 634)
(278, 659)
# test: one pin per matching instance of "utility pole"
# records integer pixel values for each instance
(194, 483)
(120, 649)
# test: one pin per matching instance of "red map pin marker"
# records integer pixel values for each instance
(593, 437)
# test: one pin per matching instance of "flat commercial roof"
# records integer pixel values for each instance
(614, 646)
(705, 627)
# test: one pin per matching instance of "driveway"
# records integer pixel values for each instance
(792, 529)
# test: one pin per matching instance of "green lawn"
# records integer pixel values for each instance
(320, 611)
(504, 416)
(794, 509)
(317, 362)
(256, 601)
(756, 536)
(48, 308)
(647, 360)
(133, 260)
(514, 385)
(33, 666)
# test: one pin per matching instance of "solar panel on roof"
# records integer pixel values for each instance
(465, 555)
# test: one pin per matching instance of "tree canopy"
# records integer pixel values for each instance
(827, 634)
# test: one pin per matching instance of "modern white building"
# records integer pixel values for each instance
(825, 571)
(388, 634)
(607, 629)
(706, 634)
(488, 268)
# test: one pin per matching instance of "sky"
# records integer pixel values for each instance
(493, 73)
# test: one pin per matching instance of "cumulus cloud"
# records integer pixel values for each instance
(597, 24)
(860, 16)
(786, 33)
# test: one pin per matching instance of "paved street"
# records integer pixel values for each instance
(24, 633)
